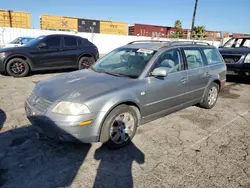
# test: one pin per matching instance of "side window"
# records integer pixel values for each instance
(212, 56)
(170, 60)
(53, 41)
(194, 58)
(70, 41)
(79, 42)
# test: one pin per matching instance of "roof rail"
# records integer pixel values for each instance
(138, 41)
(187, 41)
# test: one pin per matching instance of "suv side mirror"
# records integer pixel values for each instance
(42, 45)
(160, 72)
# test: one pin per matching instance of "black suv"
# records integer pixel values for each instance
(47, 53)
(236, 54)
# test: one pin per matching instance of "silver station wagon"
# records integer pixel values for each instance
(132, 85)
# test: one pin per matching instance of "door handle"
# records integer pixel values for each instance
(184, 80)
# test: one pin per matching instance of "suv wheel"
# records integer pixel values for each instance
(17, 67)
(85, 62)
(120, 126)
(211, 96)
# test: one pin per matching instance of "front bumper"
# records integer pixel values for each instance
(2, 69)
(66, 128)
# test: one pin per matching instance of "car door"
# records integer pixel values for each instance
(71, 51)
(49, 54)
(198, 72)
(165, 93)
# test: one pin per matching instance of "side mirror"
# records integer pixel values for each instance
(160, 72)
(42, 45)
(220, 47)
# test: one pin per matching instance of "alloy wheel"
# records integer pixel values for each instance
(212, 95)
(122, 128)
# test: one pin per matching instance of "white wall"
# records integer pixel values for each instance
(105, 43)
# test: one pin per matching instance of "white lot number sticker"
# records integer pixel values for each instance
(145, 51)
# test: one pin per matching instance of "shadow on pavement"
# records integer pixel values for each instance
(2, 118)
(26, 161)
(115, 168)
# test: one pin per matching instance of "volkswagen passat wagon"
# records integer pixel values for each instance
(132, 85)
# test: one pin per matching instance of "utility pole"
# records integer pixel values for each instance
(194, 14)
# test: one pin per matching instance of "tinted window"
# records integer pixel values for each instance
(213, 56)
(53, 41)
(79, 41)
(170, 60)
(70, 41)
(194, 59)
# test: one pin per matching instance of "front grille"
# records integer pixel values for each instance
(38, 103)
(231, 58)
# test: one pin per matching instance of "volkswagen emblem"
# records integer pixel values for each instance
(35, 100)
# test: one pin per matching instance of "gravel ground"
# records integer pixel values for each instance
(191, 148)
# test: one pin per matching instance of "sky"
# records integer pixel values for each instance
(218, 15)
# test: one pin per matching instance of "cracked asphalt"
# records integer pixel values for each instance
(191, 148)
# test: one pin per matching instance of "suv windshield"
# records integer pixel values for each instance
(35, 41)
(237, 43)
(128, 62)
(21, 40)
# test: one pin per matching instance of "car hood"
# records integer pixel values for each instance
(13, 49)
(80, 86)
(234, 50)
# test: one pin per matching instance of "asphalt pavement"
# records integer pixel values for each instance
(191, 148)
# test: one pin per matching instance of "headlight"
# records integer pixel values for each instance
(247, 59)
(70, 108)
(2, 54)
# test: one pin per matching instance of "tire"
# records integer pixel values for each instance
(85, 62)
(111, 125)
(17, 67)
(209, 101)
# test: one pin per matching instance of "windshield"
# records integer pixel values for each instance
(124, 62)
(21, 40)
(237, 43)
(35, 41)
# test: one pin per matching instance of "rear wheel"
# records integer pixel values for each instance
(211, 96)
(85, 62)
(17, 67)
(120, 126)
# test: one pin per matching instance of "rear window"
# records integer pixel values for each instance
(213, 56)
(70, 41)
(194, 59)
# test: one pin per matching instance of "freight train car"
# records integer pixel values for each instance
(88, 26)
(115, 28)
(148, 30)
(62, 23)
(9, 18)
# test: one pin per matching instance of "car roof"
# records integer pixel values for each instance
(241, 37)
(156, 45)
(62, 35)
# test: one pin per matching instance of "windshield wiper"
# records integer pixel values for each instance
(111, 73)
(114, 74)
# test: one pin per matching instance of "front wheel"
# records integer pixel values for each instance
(17, 67)
(120, 126)
(211, 96)
(85, 62)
